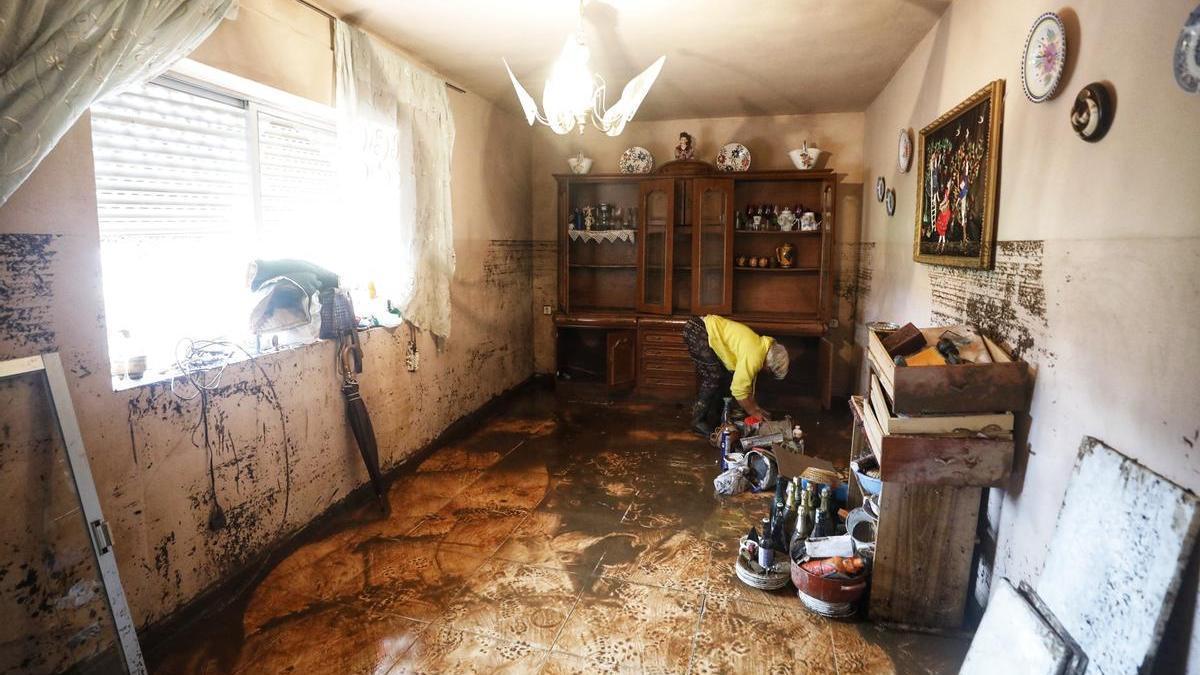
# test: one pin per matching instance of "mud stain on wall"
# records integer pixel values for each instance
(853, 283)
(1007, 303)
(507, 260)
(26, 293)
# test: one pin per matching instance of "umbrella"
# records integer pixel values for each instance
(349, 362)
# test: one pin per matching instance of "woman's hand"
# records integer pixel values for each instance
(752, 408)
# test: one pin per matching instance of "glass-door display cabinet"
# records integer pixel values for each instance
(640, 254)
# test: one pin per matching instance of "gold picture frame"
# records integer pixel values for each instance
(957, 183)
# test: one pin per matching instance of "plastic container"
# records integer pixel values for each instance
(870, 486)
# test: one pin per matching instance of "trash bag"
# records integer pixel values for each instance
(735, 479)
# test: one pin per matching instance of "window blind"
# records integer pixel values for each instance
(297, 174)
(171, 162)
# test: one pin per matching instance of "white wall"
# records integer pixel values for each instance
(1105, 294)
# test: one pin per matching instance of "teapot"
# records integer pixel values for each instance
(785, 255)
(787, 220)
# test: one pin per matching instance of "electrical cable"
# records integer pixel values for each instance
(215, 355)
(200, 356)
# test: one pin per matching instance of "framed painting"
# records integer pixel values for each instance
(958, 160)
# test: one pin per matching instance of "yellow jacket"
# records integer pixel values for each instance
(740, 349)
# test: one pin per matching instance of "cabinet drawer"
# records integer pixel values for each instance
(667, 380)
(664, 338)
(652, 352)
(669, 367)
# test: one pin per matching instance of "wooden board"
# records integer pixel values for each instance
(994, 425)
(1114, 600)
(924, 546)
(1014, 638)
(935, 460)
(963, 388)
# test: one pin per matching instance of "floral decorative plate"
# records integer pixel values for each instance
(904, 151)
(733, 157)
(1187, 54)
(636, 160)
(889, 201)
(1044, 57)
(880, 188)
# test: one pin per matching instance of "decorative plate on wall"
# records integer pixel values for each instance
(889, 200)
(880, 188)
(733, 157)
(1044, 57)
(1091, 116)
(904, 151)
(636, 160)
(1187, 54)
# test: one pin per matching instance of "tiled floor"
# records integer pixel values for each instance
(561, 537)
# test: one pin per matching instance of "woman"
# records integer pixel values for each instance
(728, 357)
(943, 219)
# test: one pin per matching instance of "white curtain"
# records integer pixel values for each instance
(396, 133)
(58, 56)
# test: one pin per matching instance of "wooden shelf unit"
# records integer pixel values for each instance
(682, 263)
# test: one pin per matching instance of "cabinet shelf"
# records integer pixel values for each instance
(581, 266)
(794, 233)
(778, 269)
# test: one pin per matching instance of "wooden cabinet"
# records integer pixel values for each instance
(665, 246)
(665, 369)
(712, 246)
(656, 246)
(620, 361)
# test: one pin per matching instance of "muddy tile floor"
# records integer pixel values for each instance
(558, 537)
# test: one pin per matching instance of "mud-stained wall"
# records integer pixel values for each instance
(769, 139)
(1095, 280)
(275, 433)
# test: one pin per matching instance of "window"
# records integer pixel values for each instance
(192, 184)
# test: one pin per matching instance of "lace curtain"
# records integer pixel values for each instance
(58, 56)
(396, 134)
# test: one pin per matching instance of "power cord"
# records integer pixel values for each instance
(201, 364)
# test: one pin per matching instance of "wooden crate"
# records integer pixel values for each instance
(960, 460)
(1003, 386)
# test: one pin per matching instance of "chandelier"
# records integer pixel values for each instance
(573, 93)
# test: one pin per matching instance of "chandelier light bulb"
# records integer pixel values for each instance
(573, 93)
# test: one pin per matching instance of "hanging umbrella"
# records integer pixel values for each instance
(349, 363)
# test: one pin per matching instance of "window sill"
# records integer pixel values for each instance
(165, 376)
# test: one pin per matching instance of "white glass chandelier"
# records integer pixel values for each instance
(573, 93)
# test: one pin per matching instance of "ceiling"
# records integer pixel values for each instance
(724, 57)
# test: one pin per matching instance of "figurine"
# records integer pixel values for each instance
(589, 218)
(686, 148)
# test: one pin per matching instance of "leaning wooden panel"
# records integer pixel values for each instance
(924, 545)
